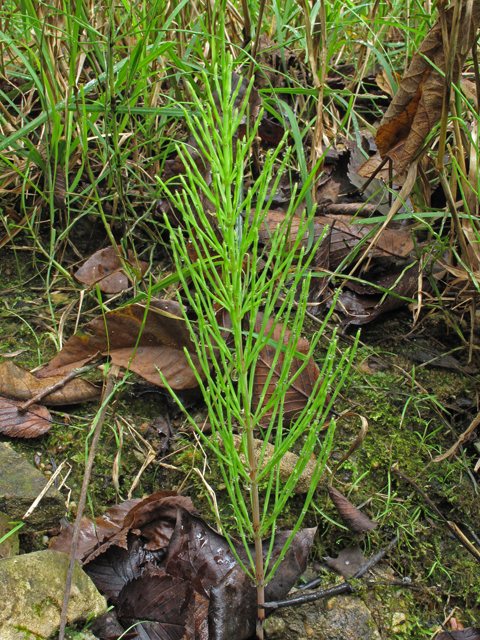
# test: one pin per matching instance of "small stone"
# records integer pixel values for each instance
(20, 484)
(31, 592)
(330, 604)
(398, 620)
(340, 618)
(275, 627)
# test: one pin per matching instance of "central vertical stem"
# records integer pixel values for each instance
(259, 573)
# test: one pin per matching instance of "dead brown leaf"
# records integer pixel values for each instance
(417, 106)
(31, 424)
(163, 339)
(20, 384)
(104, 267)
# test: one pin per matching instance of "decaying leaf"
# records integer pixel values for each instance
(417, 106)
(354, 519)
(104, 267)
(20, 384)
(363, 302)
(298, 393)
(60, 188)
(164, 336)
(31, 424)
(348, 561)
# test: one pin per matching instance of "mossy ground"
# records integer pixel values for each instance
(413, 415)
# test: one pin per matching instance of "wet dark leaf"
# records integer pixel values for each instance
(20, 384)
(198, 553)
(105, 267)
(114, 567)
(157, 597)
(354, 519)
(107, 627)
(31, 424)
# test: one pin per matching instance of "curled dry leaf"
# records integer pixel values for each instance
(364, 302)
(164, 336)
(297, 395)
(155, 516)
(104, 267)
(354, 519)
(417, 106)
(20, 384)
(31, 424)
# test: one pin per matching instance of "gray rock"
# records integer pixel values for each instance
(20, 484)
(10, 546)
(32, 587)
(340, 618)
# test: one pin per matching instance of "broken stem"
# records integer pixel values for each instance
(109, 387)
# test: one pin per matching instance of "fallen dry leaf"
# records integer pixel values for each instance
(362, 303)
(348, 561)
(417, 106)
(164, 335)
(20, 384)
(31, 424)
(104, 267)
(354, 519)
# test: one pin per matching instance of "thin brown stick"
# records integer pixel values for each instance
(462, 439)
(346, 587)
(109, 387)
(451, 526)
(257, 39)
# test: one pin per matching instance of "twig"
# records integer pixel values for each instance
(112, 374)
(346, 587)
(22, 408)
(450, 525)
(462, 439)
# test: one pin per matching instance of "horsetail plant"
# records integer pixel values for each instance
(227, 274)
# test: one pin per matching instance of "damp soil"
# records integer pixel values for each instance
(415, 412)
